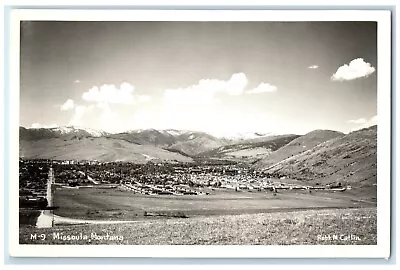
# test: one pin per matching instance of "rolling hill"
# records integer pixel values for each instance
(179, 141)
(194, 143)
(252, 148)
(186, 142)
(96, 148)
(79, 143)
(297, 146)
(69, 132)
(146, 137)
(350, 159)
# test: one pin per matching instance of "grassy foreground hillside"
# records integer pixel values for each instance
(350, 226)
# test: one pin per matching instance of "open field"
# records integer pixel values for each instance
(117, 204)
(350, 226)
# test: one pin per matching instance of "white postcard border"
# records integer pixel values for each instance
(381, 250)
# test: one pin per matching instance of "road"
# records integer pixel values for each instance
(57, 220)
(46, 218)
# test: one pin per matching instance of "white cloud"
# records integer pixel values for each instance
(235, 86)
(359, 121)
(107, 115)
(143, 98)
(357, 68)
(109, 93)
(78, 115)
(99, 116)
(101, 110)
(37, 125)
(200, 94)
(263, 88)
(77, 81)
(146, 119)
(192, 107)
(203, 93)
(313, 67)
(68, 105)
(363, 123)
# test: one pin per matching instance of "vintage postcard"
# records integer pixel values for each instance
(195, 133)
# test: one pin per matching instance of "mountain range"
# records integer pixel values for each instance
(189, 143)
(321, 155)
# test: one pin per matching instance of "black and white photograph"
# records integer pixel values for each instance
(203, 132)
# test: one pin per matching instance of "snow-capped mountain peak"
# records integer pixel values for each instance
(95, 132)
(175, 132)
(74, 129)
(65, 130)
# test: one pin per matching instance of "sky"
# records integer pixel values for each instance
(217, 77)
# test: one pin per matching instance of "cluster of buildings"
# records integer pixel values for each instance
(75, 177)
(187, 180)
(152, 179)
(33, 176)
(149, 189)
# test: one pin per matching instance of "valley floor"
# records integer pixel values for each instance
(116, 204)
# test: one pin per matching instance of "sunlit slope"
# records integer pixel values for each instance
(297, 146)
(252, 148)
(197, 143)
(187, 142)
(350, 159)
(102, 149)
